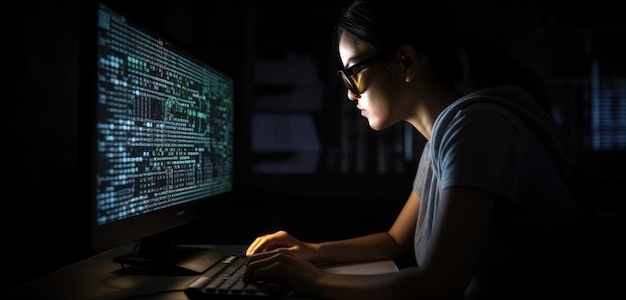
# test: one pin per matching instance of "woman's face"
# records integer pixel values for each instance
(379, 85)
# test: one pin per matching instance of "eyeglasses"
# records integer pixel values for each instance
(347, 73)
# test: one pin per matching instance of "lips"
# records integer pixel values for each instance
(363, 111)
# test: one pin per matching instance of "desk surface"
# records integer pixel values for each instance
(98, 277)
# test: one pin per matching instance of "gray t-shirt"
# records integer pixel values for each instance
(497, 140)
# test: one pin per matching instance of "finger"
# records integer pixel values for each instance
(264, 243)
(257, 262)
(254, 258)
(252, 248)
(259, 266)
(257, 246)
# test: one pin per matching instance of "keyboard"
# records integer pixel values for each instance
(223, 281)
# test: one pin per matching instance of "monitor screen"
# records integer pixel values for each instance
(162, 128)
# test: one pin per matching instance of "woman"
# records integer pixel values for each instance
(490, 189)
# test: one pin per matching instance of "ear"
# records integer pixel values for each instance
(409, 59)
(406, 61)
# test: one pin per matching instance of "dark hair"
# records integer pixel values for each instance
(431, 29)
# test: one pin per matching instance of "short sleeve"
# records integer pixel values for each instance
(479, 147)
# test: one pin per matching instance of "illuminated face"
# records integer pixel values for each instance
(371, 81)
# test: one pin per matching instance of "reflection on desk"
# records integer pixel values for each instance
(363, 268)
(98, 277)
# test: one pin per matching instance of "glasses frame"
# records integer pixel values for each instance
(346, 73)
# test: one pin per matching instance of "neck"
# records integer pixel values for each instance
(432, 99)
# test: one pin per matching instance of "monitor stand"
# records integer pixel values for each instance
(161, 254)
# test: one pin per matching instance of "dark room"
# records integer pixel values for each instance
(232, 127)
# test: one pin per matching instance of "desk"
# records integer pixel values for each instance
(99, 278)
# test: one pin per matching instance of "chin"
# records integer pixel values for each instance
(375, 126)
(378, 126)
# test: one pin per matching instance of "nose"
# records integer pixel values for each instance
(352, 96)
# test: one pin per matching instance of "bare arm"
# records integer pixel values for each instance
(462, 220)
(382, 245)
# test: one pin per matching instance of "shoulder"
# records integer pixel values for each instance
(479, 111)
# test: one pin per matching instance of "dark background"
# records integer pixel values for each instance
(346, 180)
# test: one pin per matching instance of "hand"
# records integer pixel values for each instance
(285, 267)
(281, 240)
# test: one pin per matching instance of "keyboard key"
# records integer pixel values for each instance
(227, 283)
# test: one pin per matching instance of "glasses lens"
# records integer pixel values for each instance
(347, 81)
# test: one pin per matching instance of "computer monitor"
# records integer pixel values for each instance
(161, 152)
